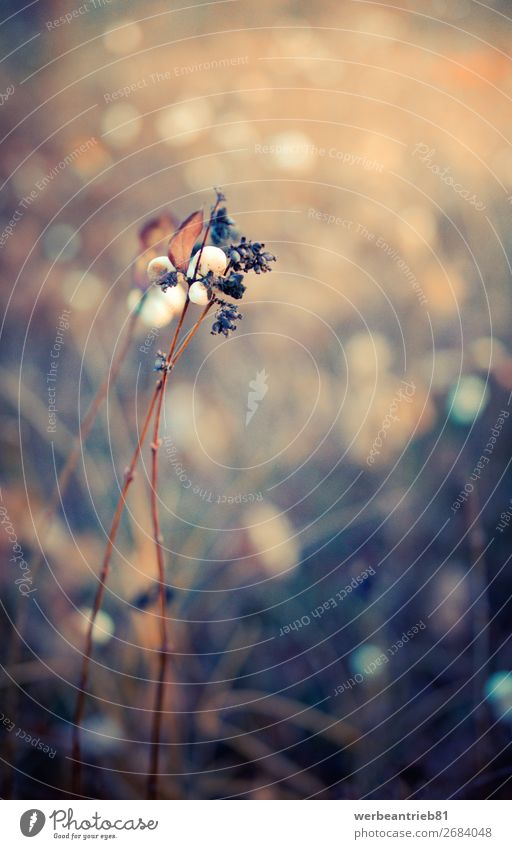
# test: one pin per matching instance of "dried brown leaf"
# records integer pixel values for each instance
(155, 229)
(182, 243)
(153, 237)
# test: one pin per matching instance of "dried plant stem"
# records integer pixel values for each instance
(152, 780)
(156, 402)
(105, 566)
(172, 359)
(162, 657)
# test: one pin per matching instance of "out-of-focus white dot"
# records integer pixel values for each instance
(451, 598)
(368, 660)
(121, 124)
(61, 242)
(101, 734)
(439, 368)
(82, 289)
(498, 691)
(467, 401)
(417, 229)
(103, 625)
(123, 39)
(292, 151)
(184, 118)
(367, 354)
(488, 352)
(254, 87)
(272, 537)
(238, 134)
(159, 308)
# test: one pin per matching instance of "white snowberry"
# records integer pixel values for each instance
(176, 297)
(159, 266)
(159, 308)
(198, 293)
(212, 259)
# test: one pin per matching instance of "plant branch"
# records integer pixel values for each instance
(155, 404)
(172, 358)
(152, 778)
(159, 696)
(80, 703)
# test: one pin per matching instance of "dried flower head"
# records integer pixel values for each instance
(232, 285)
(250, 256)
(225, 318)
(208, 269)
(170, 279)
(222, 227)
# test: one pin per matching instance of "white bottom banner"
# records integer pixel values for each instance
(248, 824)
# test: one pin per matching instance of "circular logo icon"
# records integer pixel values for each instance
(32, 822)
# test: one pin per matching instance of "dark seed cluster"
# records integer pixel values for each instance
(222, 227)
(168, 280)
(231, 286)
(249, 256)
(225, 318)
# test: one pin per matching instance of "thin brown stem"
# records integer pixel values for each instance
(105, 566)
(152, 778)
(172, 358)
(156, 402)
(192, 332)
(162, 658)
(159, 696)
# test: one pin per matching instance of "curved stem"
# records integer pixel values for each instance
(152, 778)
(159, 696)
(105, 566)
(156, 401)
(172, 358)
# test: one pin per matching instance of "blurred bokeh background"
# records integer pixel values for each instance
(338, 568)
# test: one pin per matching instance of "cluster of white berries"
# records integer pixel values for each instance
(209, 259)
